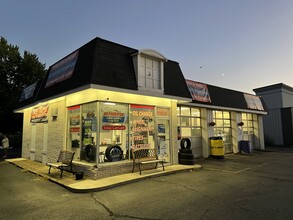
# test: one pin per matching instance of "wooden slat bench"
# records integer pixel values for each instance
(64, 162)
(142, 156)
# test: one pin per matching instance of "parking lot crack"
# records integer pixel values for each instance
(111, 213)
(105, 207)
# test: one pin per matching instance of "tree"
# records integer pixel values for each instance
(16, 72)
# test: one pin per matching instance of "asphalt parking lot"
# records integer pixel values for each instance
(254, 186)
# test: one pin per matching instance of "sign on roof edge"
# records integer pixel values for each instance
(198, 91)
(253, 102)
(62, 70)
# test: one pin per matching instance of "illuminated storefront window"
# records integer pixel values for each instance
(247, 128)
(142, 126)
(74, 125)
(82, 120)
(163, 132)
(189, 121)
(223, 128)
(189, 126)
(113, 132)
(110, 135)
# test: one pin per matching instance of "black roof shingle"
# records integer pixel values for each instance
(105, 63)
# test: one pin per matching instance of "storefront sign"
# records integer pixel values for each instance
(199, 91)
(40, 114)
(113, 117)
(62, 70)
(113, 127)
(163, 112)
(253, 102)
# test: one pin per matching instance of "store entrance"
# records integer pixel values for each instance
(163, 129)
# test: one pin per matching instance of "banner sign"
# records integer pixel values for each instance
(199, 91)
(40, 114)
(253, 102)
(28, 92)
(62, 70)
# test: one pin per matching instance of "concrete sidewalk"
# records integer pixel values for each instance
(89, 185)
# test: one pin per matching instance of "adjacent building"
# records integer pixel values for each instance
(105, 99)
(278, 123)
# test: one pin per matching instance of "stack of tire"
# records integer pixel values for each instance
(185, 154)
(89, 153)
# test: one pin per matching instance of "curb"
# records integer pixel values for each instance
(97, 189)
(91, 185)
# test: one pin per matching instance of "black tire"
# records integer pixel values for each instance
(185, 143)
(90, 153)
(185, 151)
(187, 161)
(186, 156)
(114, 153)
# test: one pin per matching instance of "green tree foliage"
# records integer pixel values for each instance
(16, 72)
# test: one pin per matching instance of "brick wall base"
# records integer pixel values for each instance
(108, 169)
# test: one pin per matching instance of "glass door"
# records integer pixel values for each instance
(163, 129)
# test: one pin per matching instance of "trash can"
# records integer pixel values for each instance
(244, 147)
(79, 175)
(217, 147)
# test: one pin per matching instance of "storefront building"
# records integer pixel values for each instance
(101, 101)
(218, 112)
(105, 99)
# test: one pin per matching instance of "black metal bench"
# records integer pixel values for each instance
(64, 162)
(142, 156)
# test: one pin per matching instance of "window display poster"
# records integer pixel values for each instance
(94, 124)
(161, 128)
(113, 117)
(74, 115)
(87, 127)
(142, 125)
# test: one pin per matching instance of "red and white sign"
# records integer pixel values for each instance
(75, 129)
(113, 127)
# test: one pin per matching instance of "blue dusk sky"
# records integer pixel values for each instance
(235, 44)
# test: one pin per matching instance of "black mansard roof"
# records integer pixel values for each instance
(101, 62)
(215, 97)
(104, 63)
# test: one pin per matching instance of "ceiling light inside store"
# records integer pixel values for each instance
(109, 103)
